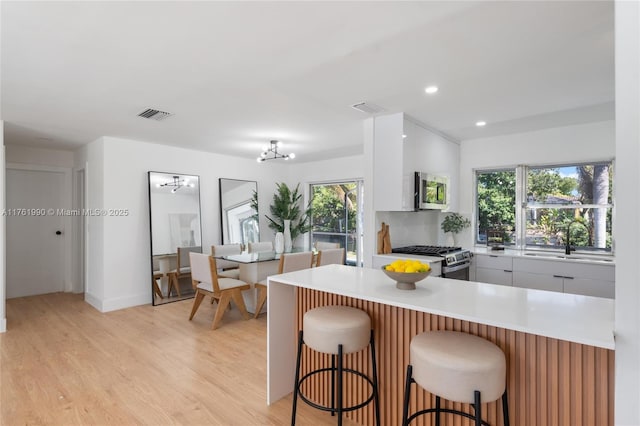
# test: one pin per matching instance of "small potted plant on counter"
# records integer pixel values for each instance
(452, 224)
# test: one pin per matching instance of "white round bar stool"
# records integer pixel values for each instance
(336, 330)
(459, 367)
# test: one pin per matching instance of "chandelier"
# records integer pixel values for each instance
(271, 152)
(176, 184)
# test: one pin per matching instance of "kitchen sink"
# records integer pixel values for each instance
(583, 258)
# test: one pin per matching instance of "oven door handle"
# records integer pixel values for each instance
(447, 269)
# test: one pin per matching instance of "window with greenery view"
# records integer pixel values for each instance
(336, 213)
(496, 201)
(557, 203)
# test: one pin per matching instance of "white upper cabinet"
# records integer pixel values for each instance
(393, 188)
(397, 158)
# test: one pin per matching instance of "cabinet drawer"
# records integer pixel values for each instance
(537, 281)
(565, 268)
(493, 276)
(494, 261)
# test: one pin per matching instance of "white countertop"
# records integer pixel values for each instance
(574, 318)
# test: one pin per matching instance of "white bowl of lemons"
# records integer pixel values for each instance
(407, 272)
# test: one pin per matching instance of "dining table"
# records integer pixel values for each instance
(254, 267)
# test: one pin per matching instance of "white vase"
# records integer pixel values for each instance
(278, 245)
(451, 240)
(288, 244)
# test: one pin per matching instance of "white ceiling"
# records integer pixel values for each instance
(238, 74)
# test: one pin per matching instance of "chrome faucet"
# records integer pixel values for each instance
(567, 248)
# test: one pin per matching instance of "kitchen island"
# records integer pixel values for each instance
(559, 347)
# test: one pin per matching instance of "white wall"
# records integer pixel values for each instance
(411, 228)
(627, 190)
(39, 156)
(3, 281)
(586, 142)
(92, 157)
(119, 247)
(338, 169)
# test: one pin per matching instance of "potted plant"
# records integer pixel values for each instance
(454, 223)
(286, 214)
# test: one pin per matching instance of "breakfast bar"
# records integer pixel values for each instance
(559, 347)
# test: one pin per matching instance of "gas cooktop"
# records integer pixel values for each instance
(453, 256)
(427, 250)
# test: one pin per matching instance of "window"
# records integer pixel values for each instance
(496, 204)
(559, 204)
(337, 217)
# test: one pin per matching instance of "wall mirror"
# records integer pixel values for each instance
(238, 213)
(174, 213)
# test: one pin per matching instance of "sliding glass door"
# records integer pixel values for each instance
(337, 217)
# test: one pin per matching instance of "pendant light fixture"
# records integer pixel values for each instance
(176, 184)
(271, 152)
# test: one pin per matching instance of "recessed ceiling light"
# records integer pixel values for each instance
(431, 89)
(404, 136)
(481, 123)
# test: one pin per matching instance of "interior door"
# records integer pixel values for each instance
(35, 250)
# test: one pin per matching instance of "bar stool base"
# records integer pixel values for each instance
(336, 407)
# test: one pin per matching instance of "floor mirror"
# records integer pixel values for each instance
(174, 213)
(239, 211)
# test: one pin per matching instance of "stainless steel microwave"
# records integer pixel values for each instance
(431, 192)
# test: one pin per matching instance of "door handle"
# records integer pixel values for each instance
(58, 232)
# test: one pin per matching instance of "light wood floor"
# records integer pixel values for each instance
(64, 363)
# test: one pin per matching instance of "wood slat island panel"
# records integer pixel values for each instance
(550, 381)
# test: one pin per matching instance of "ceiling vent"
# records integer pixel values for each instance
(154, 114)
(367, 107)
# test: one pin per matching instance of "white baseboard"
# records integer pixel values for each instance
(3, 325)
(93, 301)
(117, 303)
(126, 302)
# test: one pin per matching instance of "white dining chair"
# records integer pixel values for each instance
(289, 262)
(330, 257)
(260, 247)
(182, 268)
(321, 245)
(227, 268)
(205, 279)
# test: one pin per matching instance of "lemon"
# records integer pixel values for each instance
(409, 266)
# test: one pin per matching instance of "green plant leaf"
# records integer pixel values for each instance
(455, 222)
(286, 206)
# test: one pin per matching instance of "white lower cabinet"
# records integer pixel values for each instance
(569, 277)
(562, 276)
(494, 269)
(589, 287)
(494, 276)
(538, 281)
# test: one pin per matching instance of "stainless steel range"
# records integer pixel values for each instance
(455, 262)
